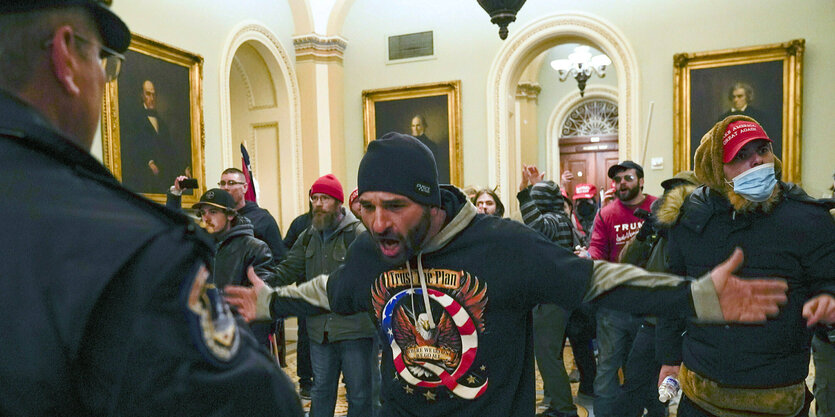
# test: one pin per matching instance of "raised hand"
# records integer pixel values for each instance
(748, 300)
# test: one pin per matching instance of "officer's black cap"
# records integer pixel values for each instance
(114, 32)
(614, 169)
(216, 198)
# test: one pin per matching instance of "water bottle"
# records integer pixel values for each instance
(668, 389)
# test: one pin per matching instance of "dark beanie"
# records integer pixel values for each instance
(328, 184)
(400, 164)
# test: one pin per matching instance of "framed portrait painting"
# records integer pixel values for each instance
(429, 112)
(152, 127)
(763, 82)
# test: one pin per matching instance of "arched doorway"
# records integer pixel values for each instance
(518, 51)
(588, 142)
(259, 86)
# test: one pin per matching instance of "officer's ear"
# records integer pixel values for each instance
(64, 61)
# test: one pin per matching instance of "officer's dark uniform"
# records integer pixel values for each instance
(105, 304)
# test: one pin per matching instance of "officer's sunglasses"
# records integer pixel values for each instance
(230, 183)
(111, 61)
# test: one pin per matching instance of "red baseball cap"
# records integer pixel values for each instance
(584, 191)
(737, 134)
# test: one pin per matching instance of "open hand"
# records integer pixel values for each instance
(748, 300)
(820, 309)
(244, 299)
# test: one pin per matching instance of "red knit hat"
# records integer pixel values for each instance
(737, 135)
(328, 184)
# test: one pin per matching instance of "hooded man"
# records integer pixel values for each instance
(542, 207)
(732, 370)
(452, 291)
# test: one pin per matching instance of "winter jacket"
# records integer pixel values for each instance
(456, 318)
(312, 256)
(103, 297)
(264, 227)
(794, 240)
(236, 249)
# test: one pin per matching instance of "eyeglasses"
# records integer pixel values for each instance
(111, 61)
(627, 178)
(230, 183)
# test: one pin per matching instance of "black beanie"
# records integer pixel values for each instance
(400, 164)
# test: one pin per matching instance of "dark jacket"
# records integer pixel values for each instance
(102, 296)
(299, 225)
(483, 275)
(794, 241)
(264, 226)
(237, 249)
(312, 256)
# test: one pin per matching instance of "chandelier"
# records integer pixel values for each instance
(580, 65)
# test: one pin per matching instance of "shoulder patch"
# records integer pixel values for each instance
(211, 324)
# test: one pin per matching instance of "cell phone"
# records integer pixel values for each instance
(188, 183)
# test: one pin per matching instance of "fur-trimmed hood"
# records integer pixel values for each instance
(709, 168)
(669, 206)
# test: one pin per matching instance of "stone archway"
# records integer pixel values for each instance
(256, 63)
(519, 50)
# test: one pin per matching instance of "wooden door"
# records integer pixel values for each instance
(588, 158)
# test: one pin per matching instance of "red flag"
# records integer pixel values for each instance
(247, 169)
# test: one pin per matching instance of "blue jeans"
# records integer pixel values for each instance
(615, 333)
(354, 359)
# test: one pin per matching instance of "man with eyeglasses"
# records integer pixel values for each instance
(233, 181)
(614, 225)
(106, 299)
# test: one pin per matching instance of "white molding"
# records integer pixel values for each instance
(257, 32)
(535, 38)
(560, 113)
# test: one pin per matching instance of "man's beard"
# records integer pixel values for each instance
(631, 193)
(323, 220)
(410, 243)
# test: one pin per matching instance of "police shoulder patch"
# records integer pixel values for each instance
(211, 324)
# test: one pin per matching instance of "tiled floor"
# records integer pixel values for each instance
(584, 407)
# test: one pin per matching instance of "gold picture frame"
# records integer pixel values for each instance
(152, 122)
(439, 105)
(703, 86)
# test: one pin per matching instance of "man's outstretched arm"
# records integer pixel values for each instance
(719, 296)
(261, 302)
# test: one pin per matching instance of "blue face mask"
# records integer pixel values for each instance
(756, 184)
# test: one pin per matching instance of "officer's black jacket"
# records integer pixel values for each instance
(95, 287)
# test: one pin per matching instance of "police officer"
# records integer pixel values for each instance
(106, 304)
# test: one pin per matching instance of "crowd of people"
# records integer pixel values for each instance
(424, 299)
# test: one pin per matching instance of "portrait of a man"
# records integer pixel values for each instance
(155, 130)
(426, 118)
(754, 90)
